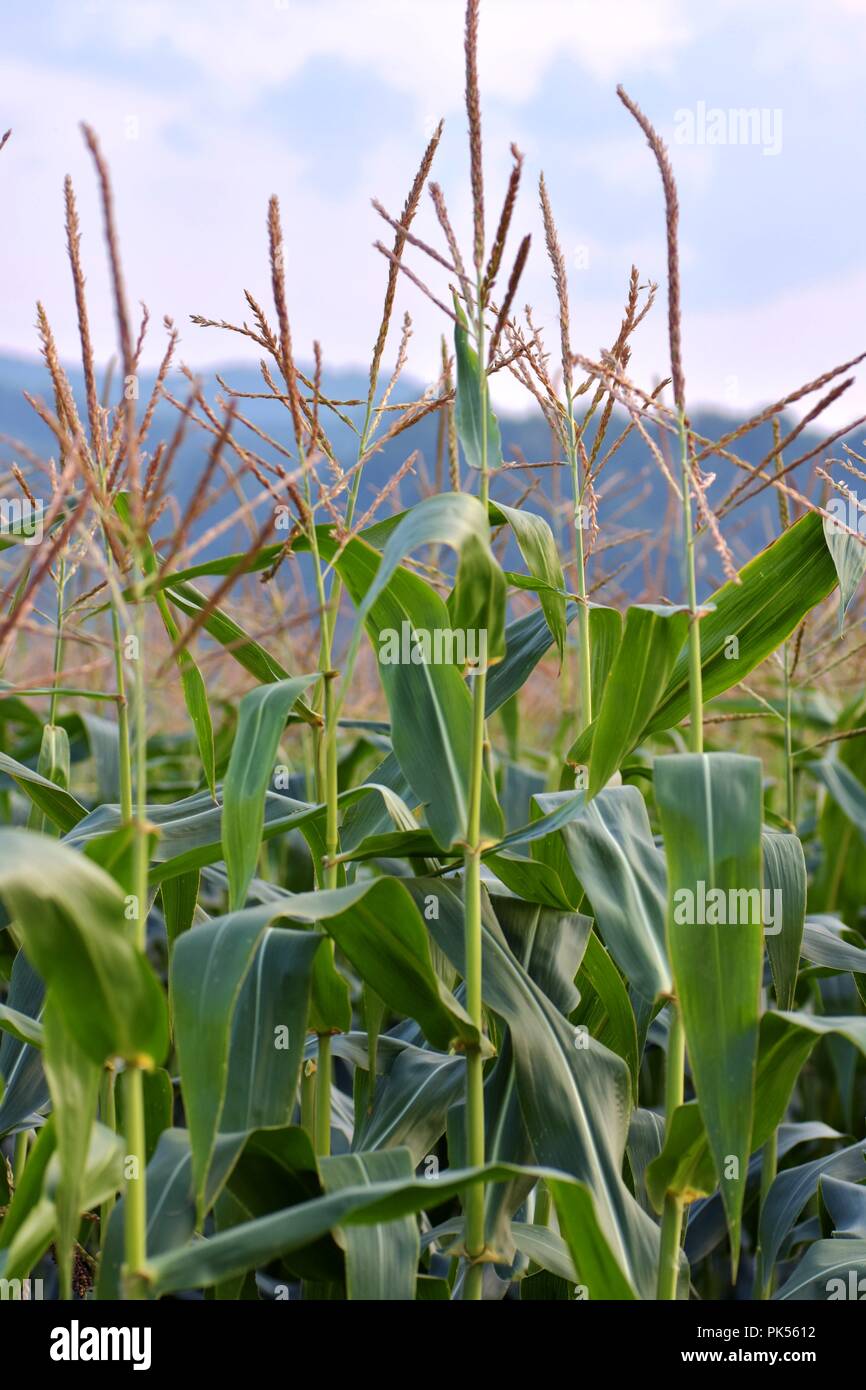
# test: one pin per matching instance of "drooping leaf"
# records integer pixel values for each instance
(538, 548)
(72, 919)
(849, 557)
(24, 1241)
(411, 1101)
(57, 803)
(610, 847)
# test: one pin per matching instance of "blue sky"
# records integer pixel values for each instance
(205, 107)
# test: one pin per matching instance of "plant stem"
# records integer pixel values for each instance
(583, 612)
(769, 1168)
(789, 744)
(672, 1217)
(19, 1157)
(308, 1098)
(58, 639)
(134, 1197)
(696, 729)
(323, 1097)
(473, 1209)
(332, 845)
(326, 774)
(108, 1117)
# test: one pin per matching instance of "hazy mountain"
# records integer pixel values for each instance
(633, 494)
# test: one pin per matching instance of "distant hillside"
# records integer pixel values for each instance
(634, 496)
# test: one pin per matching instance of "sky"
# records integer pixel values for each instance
(206, 107)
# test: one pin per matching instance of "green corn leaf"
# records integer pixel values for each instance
(776, 590)
(258, 1242)
(53, 765)
(824, 945)
(58, 804)
(785, 879)
(830, 1270)
(575, 1094)
(610, 1018)
(18, 1025)
(240, 993)
(538, 548)
(639, 673)
(74, 928)
(25, 1090)
(381, 1260)
(849, 557)
(179, 898)
(24, 1241)
(610, 847)
(261, 719)
(794, 1187)
(191, 679)
(605, 636)
(73, 1079)
(710, 810)
(685, 1164)
(411, 1101)
(743, 623)
(430, 704)
(845, 1204)
(471, 425)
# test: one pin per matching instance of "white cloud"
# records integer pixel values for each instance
(412, 45)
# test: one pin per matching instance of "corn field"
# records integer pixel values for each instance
(396, 903)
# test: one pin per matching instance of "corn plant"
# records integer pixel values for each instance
(384, 915)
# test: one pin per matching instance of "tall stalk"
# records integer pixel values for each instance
(135, 1198)
(583, 613)
(326, 790)
(474, 1201)
(696, 694)
(763, 1286)
(672, 1216)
